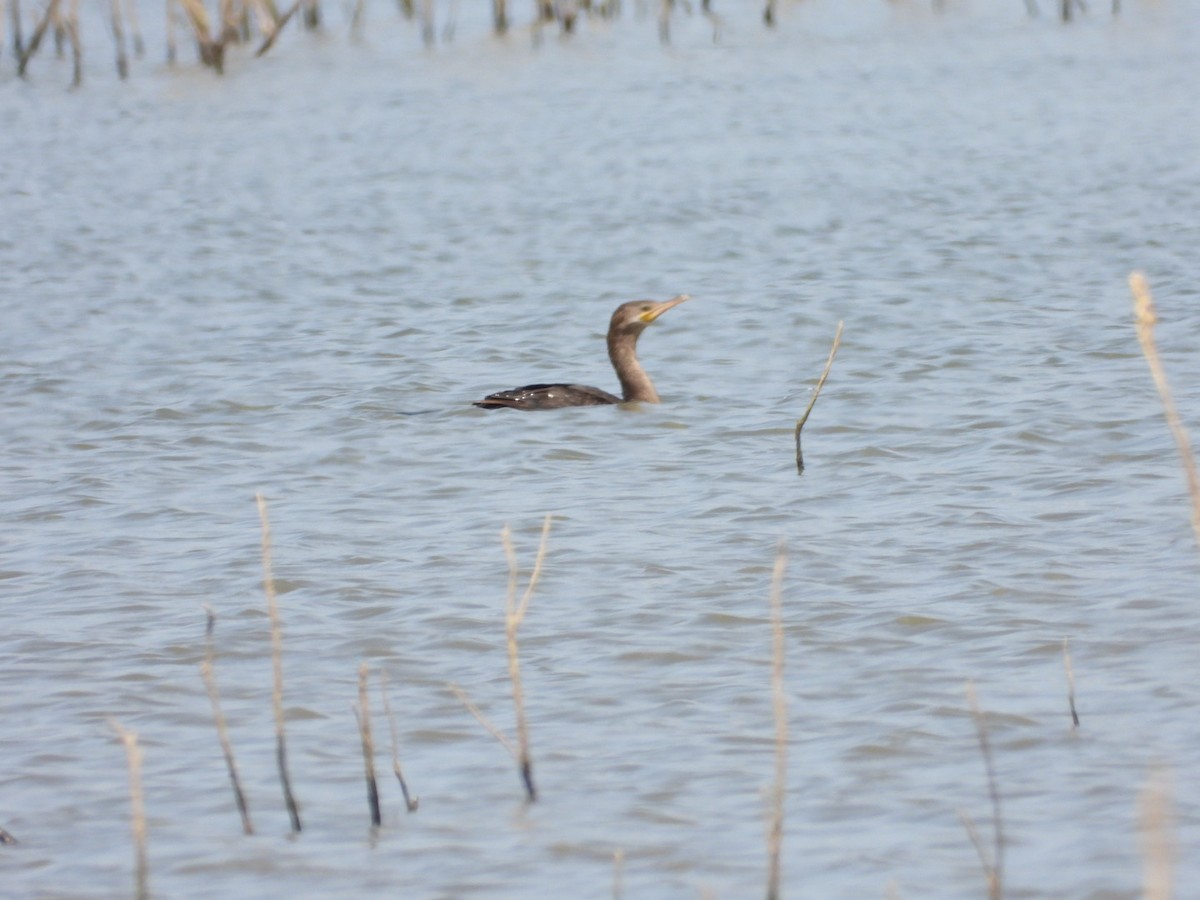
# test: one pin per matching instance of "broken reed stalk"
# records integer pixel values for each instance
(276, 666)
(1155, 825)
(482, 719)
(274, 35)
(1070, 683)
(618, 873)
(410, 802)
(135, 25)
(214, 697)
(362, 712)
(514, 616)
(779, 702)
(212, 53)
(993, 869)
(428, 30)
(133, 756)
(169, 7)
(837, 342)
(119, 39)
(18, 42)
(35, 40)
(1145, 318)
(76, 45)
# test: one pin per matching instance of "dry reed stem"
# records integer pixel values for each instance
(362, 713)
(274, 35)
(428, 28)
(214, 697)
(276, 665)
(170, 9)
(35, 39)
(837, 342)
(76, 44)
(410, 802)
(18, 42)
(133, 756)
(483, 720)
(618, 873)
(993, 869)
(1070, 683)
(514, 616)
(118, 28)
(1145, 318)
(779, 703)
(1156, 827)
(212, 53)
(135, 25)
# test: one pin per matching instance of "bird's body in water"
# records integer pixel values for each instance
(628, 322)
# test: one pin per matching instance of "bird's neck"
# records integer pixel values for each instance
(635, 383)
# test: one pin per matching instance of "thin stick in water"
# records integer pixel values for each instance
(779, 703)
(514, 616)
(135, 25)
(35, 40)
(483, 720)
(993, 869)
(1070, 683)
(133, 756)
(410, 802)
(837, 342)
(362, 713)
(1155, 825)
(76, 45)
(276, 665)
(214, 697)
(274, 35)
(1145, 318)
(618, 873)
(119, 38)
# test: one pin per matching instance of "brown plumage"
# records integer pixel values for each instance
(628, 322)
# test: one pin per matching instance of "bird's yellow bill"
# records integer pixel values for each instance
(655, 311)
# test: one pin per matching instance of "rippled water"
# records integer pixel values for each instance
(295, 280)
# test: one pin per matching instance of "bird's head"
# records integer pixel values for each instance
(635, 315)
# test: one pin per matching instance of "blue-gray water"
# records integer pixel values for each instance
(295, 279)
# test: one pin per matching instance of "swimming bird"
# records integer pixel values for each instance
(628, 322)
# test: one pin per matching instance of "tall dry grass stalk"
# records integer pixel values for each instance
(276, 666)
(212, 52)
(214, 697)
(837, 342)
(993, 864)
(362, 712)
(618, 874)
(779, 703)
(118, 29)
(410, 802)
(1155, 821)
(274, 33)
(483, 720)
(1070, 683)
(133, 756)
(514, 616)
(25, 52)
(1145, 319)
(72, 26)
